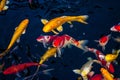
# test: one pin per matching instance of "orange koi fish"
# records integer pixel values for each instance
(57, 23)
(18, 32)
(17, 68)
(3, 5)
(106, 74)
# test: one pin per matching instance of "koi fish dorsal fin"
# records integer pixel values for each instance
(44, 21)
(60, 28)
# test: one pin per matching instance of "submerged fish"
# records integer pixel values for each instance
(17, 68)
(85, 69)
(18, 32)
(3, 5)
(57, 23)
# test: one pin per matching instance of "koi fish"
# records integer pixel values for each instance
(49, 53)
(18, 32)
(106, 74)
(85, 69)
(62, 41)
(101, 57)
(3, 5)
(57, 23)
(103, 41)
(96, 77)
(115, 28)
(17, 68)
(112, 57)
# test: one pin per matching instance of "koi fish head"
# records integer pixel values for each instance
(11, 70)
(44, 38)
(110, 57)
(115, 28)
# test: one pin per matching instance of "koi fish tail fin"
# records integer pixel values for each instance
(82, 45)
(82, 19)
(35, 72)
(77, 71)
(46, 72)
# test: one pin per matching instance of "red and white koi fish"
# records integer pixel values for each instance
(115, 28)
(62, 41)
(103, 41)
(101, 57)
(17, 68)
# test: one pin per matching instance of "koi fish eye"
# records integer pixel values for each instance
(47, 38)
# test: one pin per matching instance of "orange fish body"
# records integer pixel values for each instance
(18, 32)
(16, 68)
(106, 74)
(3, 5)
(57, 23)
(49, 53)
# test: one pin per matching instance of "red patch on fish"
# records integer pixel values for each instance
(111, 68)
(96, 77)
(58, 42)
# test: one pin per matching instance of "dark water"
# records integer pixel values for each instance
(103, 14)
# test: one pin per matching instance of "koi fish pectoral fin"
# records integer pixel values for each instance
(60, 28)
(44, 21)
(55, 32)
(5, 7)
(76, 71)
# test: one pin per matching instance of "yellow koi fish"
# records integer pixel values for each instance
(18, 31)
(113, 56)
(3, 5)
(106, 74)
(57, 23)
(49, 53)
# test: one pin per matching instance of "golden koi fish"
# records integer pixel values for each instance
(113, 56)
(106, 74)
(57, 23)
(49, 53)
(3, 5)
(18, 31)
